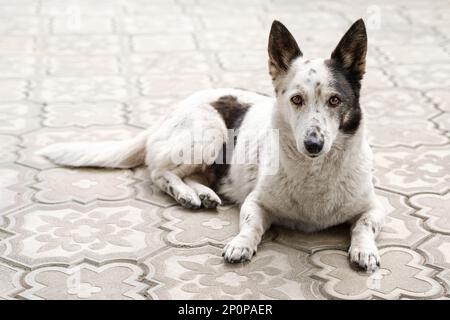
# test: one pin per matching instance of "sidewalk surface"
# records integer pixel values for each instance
(96, 70)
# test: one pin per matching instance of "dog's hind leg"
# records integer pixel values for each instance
(173, 185)
(199, 183)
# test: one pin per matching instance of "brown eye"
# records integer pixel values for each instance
(334, 101)
(297, 99)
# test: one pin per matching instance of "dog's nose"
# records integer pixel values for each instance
(313, 144)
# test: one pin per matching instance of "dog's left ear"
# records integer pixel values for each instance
(283, 49)
(351, 51)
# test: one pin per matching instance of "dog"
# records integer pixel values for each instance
(323, 174)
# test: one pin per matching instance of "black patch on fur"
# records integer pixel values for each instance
(311, 71)
(233, 112)
(348, 88)
(351, 51)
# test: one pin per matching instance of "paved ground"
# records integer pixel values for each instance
(72, 70)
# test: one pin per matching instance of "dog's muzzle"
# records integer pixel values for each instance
(313, 143)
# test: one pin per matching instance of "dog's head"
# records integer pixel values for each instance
(318, 98)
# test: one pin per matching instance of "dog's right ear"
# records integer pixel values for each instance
(283, 49)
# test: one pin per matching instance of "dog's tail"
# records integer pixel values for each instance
(108, 154)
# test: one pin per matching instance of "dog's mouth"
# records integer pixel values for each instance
(315, 155)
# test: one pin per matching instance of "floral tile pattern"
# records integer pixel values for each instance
(277, 272)
(102, 231)
(85, 281)
(203, 227)
(106, 70)
(82, 185)
(401, 274)
(405, 170)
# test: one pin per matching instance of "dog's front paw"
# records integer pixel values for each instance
(238, 250)
(365, 257)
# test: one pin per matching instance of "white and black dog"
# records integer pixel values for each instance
(323, 172)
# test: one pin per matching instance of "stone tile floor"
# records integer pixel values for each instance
(73, 70)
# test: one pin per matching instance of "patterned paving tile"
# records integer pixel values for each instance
(148, 112)
(188, 228)
(14, 190)
(425, 169)
(82, 185)
(399, 117)
(17, 66)
(82, 25)
(221, 40)
(181, 85)
(103, 230)
(16, 45)
(401, 226)
(117, 280)
(163, 43)
(79, 89)
(397, 103)
(83, 65)
(259, 80)
(14, 89)
(443, 121)
(441, 97)
(421, 76)
(168, 23)
(437, 250)
(18, 117)
(406, 54)
(175, 63)
(275, 272)
(86, 7)
(8, 148)
(83, 114)
(21, 25)
(402, 273)
(9, 281)
(435, 209)
(83, 44)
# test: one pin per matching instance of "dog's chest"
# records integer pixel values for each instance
(311, 199)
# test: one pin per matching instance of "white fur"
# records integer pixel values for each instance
(110, 154)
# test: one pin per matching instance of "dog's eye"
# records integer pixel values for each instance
(297, 99)
(334, 101)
